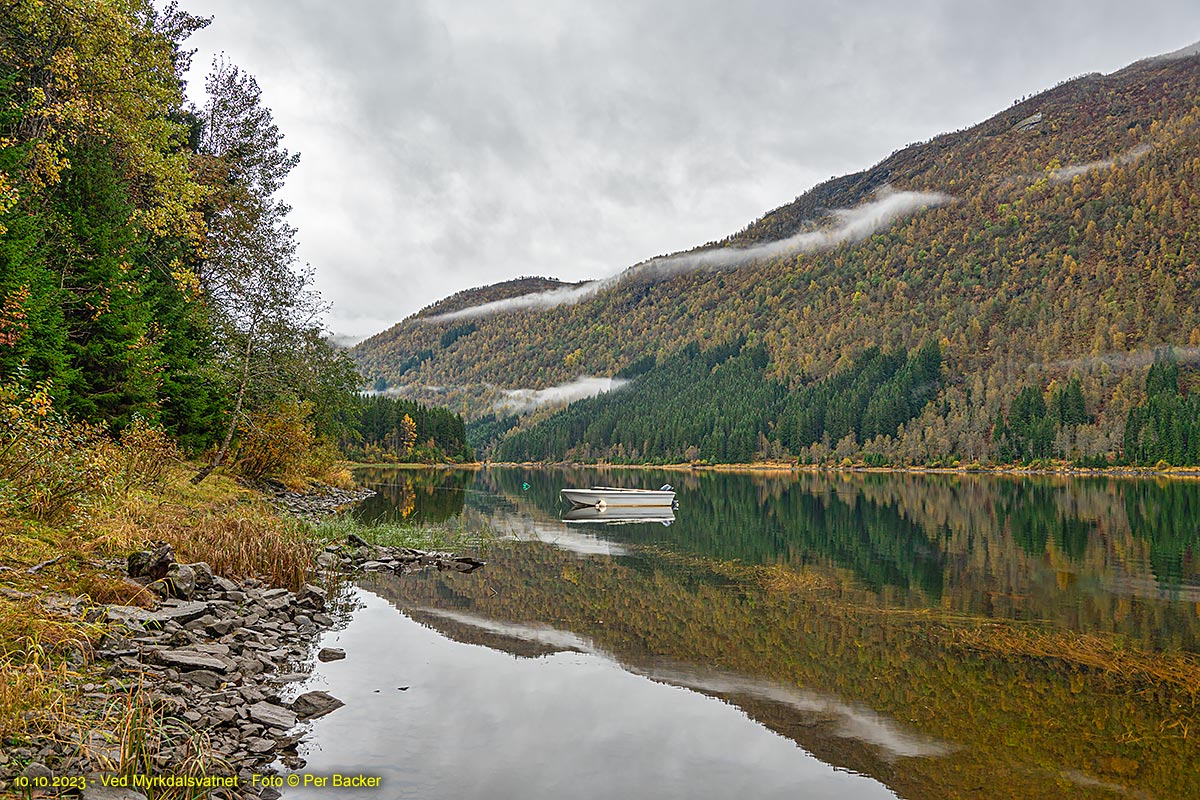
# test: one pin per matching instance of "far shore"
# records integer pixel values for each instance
(1183, 473)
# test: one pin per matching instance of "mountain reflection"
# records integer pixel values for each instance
(1088, 553)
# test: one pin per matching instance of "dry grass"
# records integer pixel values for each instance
(32, 693)
(782, 580)
(29, 631)
(1180, 671)
(220, 523)
(103, 589)
(276, 550)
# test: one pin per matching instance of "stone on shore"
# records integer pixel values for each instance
(315, 704)
(96, 790)
(272, 716)
(184, 658)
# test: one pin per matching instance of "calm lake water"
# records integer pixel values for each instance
(779, 635)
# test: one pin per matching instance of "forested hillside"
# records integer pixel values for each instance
(148, 273)
(1065, 253)
(147, 268)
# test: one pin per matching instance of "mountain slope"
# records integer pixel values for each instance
(1069, 249)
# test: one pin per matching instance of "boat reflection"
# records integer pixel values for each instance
(620, 515)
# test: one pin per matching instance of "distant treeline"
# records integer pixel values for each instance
(390, 429)
(719, 405)
(1166, 427)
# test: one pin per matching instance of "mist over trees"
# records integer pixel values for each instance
(1066, 259)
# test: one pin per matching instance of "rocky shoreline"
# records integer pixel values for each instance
(308, 504)
(211, 663)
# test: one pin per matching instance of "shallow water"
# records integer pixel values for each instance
(801, 636)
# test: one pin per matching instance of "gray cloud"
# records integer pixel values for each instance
(520, 401)
(449, 145)
(1066, 174)
(849, 225)
(1131, 360)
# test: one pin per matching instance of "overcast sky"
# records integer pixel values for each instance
(446, 145)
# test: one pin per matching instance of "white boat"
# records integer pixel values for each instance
(620, 515)
(608, 496)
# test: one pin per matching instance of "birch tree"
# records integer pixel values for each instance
(262, 308)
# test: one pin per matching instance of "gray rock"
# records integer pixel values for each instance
(180, 611)
(203, 677)
(278, 602)
(221, 627)
(202, 623)
(291, 677)
(36, 769)
(204, 574)
(249, 667)
(172, 611)
(221, 715)
(96, 790)
(111, 647)
(331, 654)
(224, 585)
(272, 716)
(190, 659)
(252, 695)
(151, 564)
(311, 597)
(260, 746)
(181, 581)
(315, 704)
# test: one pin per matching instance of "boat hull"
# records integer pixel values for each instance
(603, 497)
(620, 515)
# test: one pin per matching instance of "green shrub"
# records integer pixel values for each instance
(49, 464)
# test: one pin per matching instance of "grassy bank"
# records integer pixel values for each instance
(57, 569)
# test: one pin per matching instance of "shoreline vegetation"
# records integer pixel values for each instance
(85, 690)
(61, 578)
(1066, 470)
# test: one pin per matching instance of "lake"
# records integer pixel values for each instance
(778, 635)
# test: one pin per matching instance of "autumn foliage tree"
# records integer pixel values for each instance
(147, 267)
